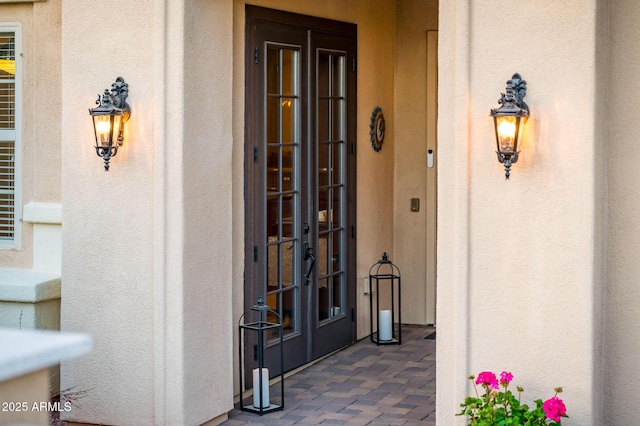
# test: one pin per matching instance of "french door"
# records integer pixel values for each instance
(300, 180)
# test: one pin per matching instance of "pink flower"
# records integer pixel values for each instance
(487, 378)
(554, 408)
(505, 378)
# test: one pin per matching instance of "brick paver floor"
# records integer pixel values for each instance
(363, 384)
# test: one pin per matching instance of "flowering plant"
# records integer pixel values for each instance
(503, 408)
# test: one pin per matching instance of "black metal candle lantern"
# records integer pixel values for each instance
(384, 273)
(259, 325)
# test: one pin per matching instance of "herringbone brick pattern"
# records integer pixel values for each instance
(363, 384)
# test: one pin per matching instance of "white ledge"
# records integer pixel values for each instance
(35, 212)
(27, 285)
(26, 351)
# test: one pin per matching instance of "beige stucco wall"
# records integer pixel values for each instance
(41, 114)
(108, 261)
(414, 19)
(208, 239)
(518, 272)
(622, 342)
(147, 245)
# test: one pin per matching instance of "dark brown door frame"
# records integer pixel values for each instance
(318, 27)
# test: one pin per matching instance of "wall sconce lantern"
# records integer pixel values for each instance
(508, 121)
(109, 118)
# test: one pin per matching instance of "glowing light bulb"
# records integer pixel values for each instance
(507, 132)
(103, 126)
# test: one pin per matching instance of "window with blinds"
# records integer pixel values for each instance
(9, 134)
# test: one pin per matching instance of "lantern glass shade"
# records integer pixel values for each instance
(107, 128)
(507, 130)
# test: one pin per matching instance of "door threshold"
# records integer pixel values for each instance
(248, 393)
(310, 363)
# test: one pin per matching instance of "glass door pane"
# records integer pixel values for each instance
(282, 185)
(331, 138)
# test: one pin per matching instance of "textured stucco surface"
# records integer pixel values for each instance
(517, 274)
(622, 341)
(107, 240)
(41, 112)
(207, 150)
(146, 245)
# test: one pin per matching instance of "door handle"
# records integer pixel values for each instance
(308, 254)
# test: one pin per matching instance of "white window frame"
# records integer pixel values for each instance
(16, 136)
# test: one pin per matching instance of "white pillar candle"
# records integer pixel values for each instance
(265, 388)
(385, 325)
